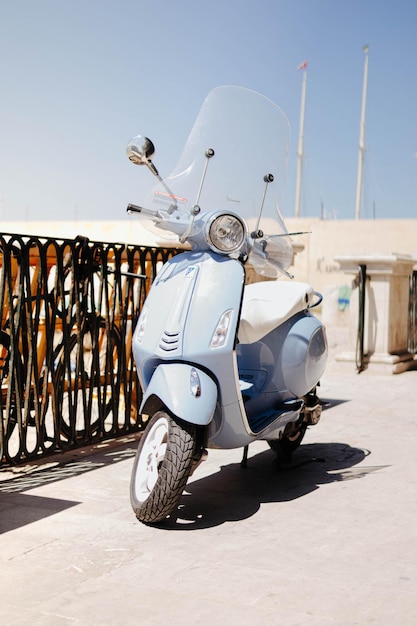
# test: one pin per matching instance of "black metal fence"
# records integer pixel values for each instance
(412, 314)
(68, 311)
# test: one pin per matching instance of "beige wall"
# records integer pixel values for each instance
(315, 263)
(128, 230)
(333, 238)
(329, 239)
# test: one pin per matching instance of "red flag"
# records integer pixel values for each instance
(302, 66)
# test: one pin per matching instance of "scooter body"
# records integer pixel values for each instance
(222, 360)
(249, 387)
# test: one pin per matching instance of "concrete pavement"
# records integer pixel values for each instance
(333, 540)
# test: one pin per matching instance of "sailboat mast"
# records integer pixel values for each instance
(300, 151)
(359, 183)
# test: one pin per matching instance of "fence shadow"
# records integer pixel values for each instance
(20, 509)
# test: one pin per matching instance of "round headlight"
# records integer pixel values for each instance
(226, 233)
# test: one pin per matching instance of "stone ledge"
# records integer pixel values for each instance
(384, 363)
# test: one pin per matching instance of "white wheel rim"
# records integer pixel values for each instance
(151, 456)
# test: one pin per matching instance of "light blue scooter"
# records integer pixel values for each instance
(222, 360)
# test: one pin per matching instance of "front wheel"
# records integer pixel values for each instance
(162, 466)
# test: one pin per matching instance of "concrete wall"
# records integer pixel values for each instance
(333, 238)
(314, 263)
(329, 239)
(128, 230)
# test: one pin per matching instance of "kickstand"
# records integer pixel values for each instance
(244, 461)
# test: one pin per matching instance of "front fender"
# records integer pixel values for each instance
(170, 383)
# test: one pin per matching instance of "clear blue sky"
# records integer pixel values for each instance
(80, 77)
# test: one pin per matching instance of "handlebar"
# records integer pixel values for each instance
(134, 208)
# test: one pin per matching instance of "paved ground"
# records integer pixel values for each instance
(331, 541)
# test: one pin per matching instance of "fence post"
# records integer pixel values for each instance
(412, 314)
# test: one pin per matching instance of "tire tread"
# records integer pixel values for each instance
(173, 473)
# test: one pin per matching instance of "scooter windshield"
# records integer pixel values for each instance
(249, 136)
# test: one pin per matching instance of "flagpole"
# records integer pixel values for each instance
(300, 151)
(359, 182)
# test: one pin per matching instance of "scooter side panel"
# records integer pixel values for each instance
(304, 354)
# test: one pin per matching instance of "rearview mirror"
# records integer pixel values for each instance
(140, 150)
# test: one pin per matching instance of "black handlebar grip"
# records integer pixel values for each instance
(134, 207)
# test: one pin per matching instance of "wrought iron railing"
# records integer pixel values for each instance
(412, 314)
(68, 311)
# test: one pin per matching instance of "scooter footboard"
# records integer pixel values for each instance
(185, 390)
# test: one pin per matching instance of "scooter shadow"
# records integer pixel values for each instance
(235, 493)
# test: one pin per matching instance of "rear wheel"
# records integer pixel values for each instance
(285, 446)
(162, 466)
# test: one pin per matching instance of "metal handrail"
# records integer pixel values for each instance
(68, 311)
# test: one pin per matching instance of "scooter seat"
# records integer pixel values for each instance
(269, 304)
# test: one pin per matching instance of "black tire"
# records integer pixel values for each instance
(285, 446)
(162, 466)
